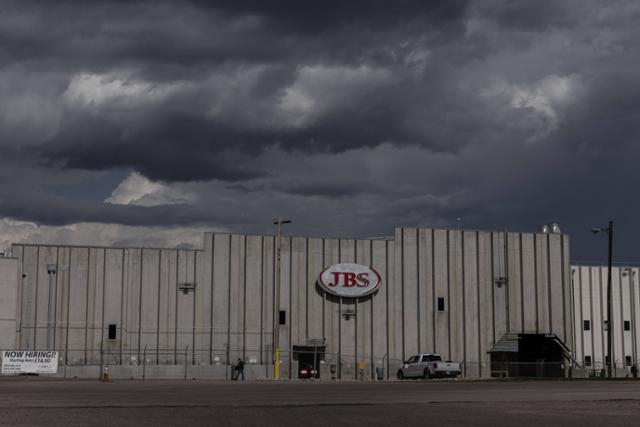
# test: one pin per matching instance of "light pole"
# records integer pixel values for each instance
(276, 310)
(609, 231)
(628, 271)
(51, 309)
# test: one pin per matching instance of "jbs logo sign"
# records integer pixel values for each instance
(349, 280)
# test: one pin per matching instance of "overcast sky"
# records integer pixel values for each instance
(149, 122)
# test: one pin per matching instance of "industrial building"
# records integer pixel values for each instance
(497, 302)
(591, 320)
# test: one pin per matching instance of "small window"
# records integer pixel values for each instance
(587, 325)
(606, 325)
(587, 361)
(440, 304)
(112, 331)
(627, 360)
(606, 360)
(627, 325)
(283, 317)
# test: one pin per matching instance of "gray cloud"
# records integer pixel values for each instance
(351, 117)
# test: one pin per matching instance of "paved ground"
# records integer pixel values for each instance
(30, 401)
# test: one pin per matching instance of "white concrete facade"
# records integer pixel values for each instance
(490, 287)
(590, 307)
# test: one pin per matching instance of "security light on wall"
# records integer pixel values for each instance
(500, 281)
(52, 268)
(186, 287)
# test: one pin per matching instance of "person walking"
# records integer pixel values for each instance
(239, 369)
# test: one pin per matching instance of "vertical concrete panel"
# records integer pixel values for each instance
(471, 310)
(583, 347)
(626, 315)
(332, 307)
(167, 294)
(45, 255)
(62, 300)
(528, 274)
(202, 306)
(500, 286)
(363, 312)
(396, 355)
(635, 312)
(221, 245)
(285, 293)
(579, 315)
(567, 292)
(29, 296)
(184, 313)
(96, 304)
(238, 290)
(9, 302)
(268, 305)
(441, 278)
(149, 302)
(253, 299)
(455, 301)
(426, 303)
(315, 294)
(17, 251)
(514, 283)
(348, 325)
(555, 284)
(486, 289)
(112, 304)
(298, 311)
(618, 332)
(379, 335)
(598, 306)
(77, 306)
(411, 293)
(542, 283)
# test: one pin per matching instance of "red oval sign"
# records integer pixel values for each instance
(349, 280)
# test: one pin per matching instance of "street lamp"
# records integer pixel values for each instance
(609, 231)
(51, 314)
(276, 311)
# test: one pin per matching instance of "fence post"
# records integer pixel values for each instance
(186, 351)
(144, 363)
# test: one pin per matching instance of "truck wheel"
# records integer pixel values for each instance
(426, 375)
(400, 375)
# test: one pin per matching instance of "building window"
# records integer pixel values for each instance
(627, 360)
(627, 325)
(606, 360)
(587, 325)
(440, 304)
(606, 325)
(587, 361)
(112, 331)
(283, 317)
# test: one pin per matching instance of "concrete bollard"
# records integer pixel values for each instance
(105, 375)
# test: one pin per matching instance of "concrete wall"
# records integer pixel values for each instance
(8, 302)
(230, 314)
(590, 304)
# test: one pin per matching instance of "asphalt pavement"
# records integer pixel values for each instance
(38, 401)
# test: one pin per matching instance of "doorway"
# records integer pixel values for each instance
(309, 358)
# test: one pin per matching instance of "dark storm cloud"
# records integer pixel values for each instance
(351, 116)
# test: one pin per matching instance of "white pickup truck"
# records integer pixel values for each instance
(427, 366)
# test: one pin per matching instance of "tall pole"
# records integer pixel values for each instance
(609, 305)
(276, 311)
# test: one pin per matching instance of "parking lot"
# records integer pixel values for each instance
(38, 401)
